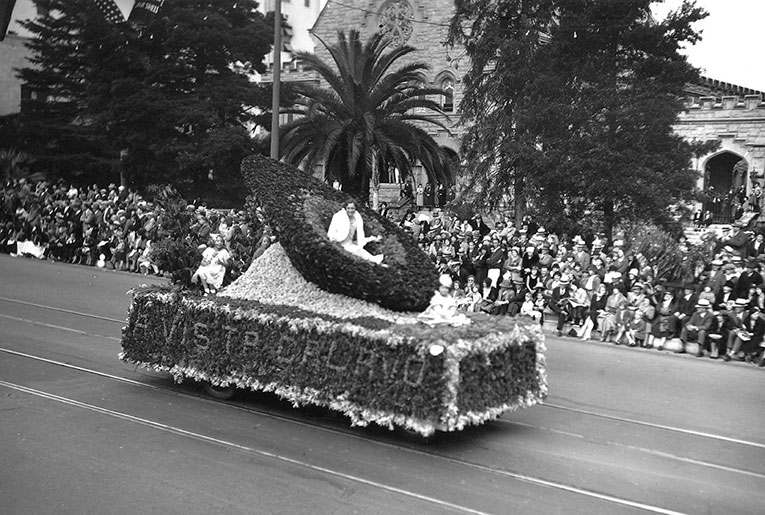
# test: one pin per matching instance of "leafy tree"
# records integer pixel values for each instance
(502, 41)
(591, 124)
(367, 118)
(175, 93)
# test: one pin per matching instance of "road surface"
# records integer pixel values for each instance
(623, 431)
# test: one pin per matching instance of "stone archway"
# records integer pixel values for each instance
(725, 185)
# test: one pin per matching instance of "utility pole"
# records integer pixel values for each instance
(277, 77)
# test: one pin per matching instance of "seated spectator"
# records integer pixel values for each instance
(636, 332)
(697, 327)
(748, 337)
(607, 321)
(474, 299)
(597, 307)
(146, 263)
(559, 302)
(664, 324)
(505, 304)
(529, 308)
(212, 269)
(719, 331)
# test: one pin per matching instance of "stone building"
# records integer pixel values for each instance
(735, 117)
(715, 110)
(419, 23)
(13, 55)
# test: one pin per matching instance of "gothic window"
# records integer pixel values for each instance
(447, 99)
(396, 21)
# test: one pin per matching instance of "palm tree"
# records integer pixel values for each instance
(14, 163)
(366, 118)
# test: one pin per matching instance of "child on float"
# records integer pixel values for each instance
(443, 306)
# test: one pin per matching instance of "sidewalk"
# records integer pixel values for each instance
(670, 346)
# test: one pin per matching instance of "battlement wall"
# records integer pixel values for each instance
(747, 106)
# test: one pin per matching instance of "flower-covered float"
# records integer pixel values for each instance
(317, 325)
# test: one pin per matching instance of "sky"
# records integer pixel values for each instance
(732, 41)
(731, 48)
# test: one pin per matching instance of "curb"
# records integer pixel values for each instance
(551, 334)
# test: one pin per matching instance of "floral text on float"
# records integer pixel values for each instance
(197, 338)
(371, 370)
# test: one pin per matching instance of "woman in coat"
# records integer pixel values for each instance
(615, 303)
(347, 229)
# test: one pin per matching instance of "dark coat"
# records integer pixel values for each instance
(745, 281)
(757, 328)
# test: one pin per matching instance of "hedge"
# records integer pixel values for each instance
(299, 208)
(409, 375)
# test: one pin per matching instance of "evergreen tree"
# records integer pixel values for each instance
(590, 133)
(175, 93)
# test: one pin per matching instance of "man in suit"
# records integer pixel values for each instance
(756, 247)
(698, 326)
(725, 296)
(559, 302)
(736, 321)
(716, 277)
(686, 305)
(750, 277)
(737, 241)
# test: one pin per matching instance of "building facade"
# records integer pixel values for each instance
(300, 15)
(715, 111)
(734, 116)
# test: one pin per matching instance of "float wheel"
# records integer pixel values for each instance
(223, 393)
(411, 436)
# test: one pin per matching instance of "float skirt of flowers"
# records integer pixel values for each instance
(408, 375)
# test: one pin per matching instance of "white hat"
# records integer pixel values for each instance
(445, 280)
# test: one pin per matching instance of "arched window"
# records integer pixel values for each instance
(447, 99)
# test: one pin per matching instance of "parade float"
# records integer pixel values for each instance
(319, 326)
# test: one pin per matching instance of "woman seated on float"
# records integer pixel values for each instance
(212, 269)
(347, 228)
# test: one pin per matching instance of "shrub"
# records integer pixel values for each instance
(299, 209)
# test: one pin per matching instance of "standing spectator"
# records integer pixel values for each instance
(420, 202)
(428, 194)
(441, 195)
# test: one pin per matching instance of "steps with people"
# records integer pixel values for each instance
(694, 234)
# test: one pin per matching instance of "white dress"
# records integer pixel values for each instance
(213, 267)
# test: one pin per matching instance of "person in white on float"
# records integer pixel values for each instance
(347, 228)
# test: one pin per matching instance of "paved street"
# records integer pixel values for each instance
(623, 431)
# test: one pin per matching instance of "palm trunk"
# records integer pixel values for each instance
(375, 181)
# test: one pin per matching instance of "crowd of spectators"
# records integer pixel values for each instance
(112, 227)
(590, 289)
(602, 289)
